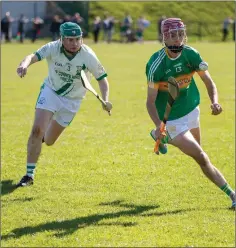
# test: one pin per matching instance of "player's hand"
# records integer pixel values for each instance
(216, 109)
(160, 134)
(108, 107)
(21, 71)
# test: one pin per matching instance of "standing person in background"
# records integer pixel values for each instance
(21, 28)
(37, 25)
(78, 19)
(159, 34)
(6, 26)
(225, 30)
(62, 91)
(180, 61)
(110, 29)
(96, 28)
(127, 22)
(55, 27)
(142, 23)
(105, 25)
(67, 18)
(123, 37)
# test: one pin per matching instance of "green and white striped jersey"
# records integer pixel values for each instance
(160, 67)
(64, 72)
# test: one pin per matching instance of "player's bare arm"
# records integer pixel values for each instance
(25, 63)
(104, 88)
(212, 91)
(151, 108)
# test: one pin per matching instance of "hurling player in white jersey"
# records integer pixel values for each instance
(62, 91)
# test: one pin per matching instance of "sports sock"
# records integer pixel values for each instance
(30, 169)
(228, 191)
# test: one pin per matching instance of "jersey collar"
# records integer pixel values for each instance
(62, 50)
(169, 55)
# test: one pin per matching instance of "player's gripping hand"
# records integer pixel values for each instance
(216, 109)
(21, 70)
(107, 107)
(160, 133)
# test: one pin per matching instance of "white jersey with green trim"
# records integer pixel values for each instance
(64, 72)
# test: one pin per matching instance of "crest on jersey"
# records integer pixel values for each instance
(188, 65)
(79, 68)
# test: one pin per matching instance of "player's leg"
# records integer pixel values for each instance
(53, 132)
(193, 124)
(47, 104)
(196, 132)
(41, 121)
(188, 145)
(61, 120)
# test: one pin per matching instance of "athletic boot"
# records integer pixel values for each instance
(25, 181)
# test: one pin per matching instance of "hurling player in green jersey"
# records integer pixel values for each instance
(180, 61)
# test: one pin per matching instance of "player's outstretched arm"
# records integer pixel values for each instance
(212, 91)
(25, 63)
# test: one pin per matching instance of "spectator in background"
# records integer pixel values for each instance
(142, 23)
(122, 32)
(37, 26)
(21, 28)
(55, 27)
(128, 21)
(96, 28)
(105, 25)
(159, 35)
(67, 18)
(225, 30)
(6, 26)
(110, 29)
(77, 18)
(126, 32)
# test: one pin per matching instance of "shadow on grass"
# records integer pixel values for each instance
(178, 211)
(7, 187)
(66, 227)
(26, 199)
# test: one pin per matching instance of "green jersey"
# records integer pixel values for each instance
(160, 67)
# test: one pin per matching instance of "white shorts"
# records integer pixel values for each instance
(184, 123)
(64, 109)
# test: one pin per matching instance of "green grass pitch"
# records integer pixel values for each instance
(101, 185)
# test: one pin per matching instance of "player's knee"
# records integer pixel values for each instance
(37, 132)
(202, 159)
(49, 142)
